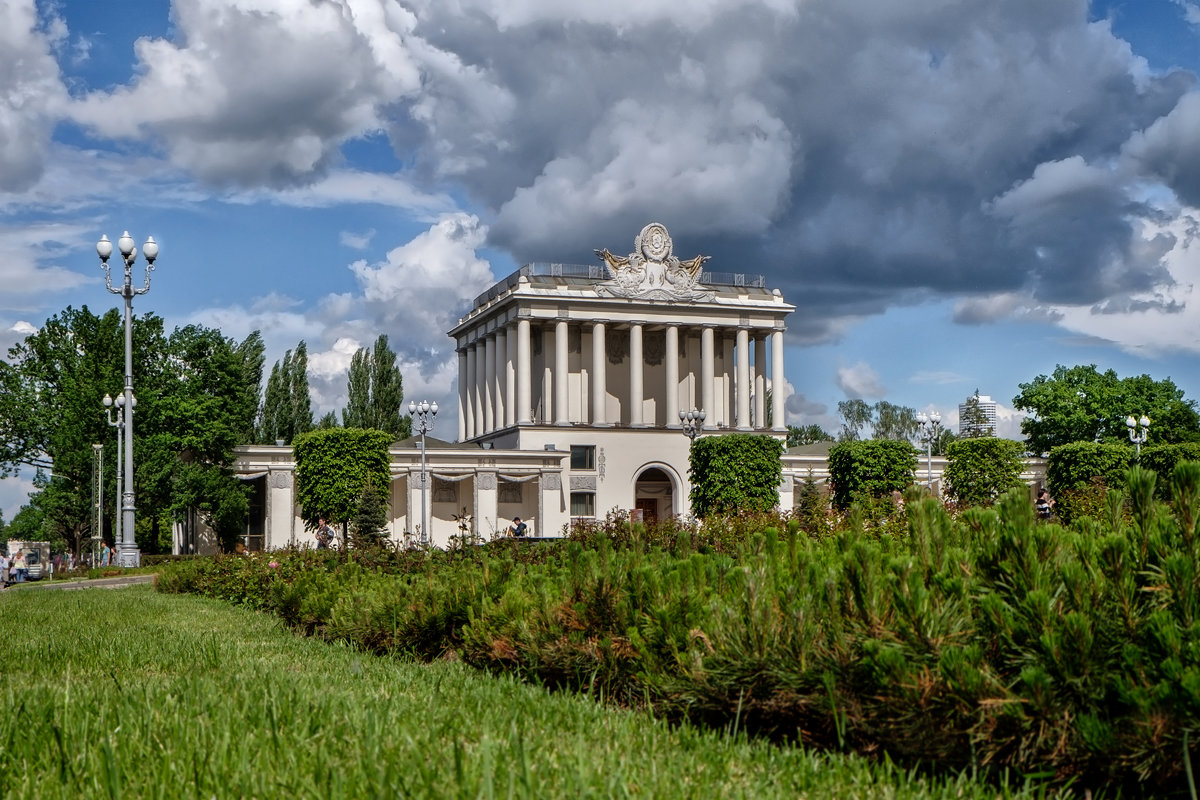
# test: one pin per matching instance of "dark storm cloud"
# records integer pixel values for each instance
(855, 152)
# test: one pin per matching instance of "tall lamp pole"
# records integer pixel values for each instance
(931, 426)
(98, 450)
(1139, 429)
(127, 549)
(424, 413)
(692, 423)
(118, 423)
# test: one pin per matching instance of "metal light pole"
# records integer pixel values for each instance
(127, 549)
(424, 414)
(118, 423)
(1139, 429)
(98, 450)
(931, 425)
(692, 423)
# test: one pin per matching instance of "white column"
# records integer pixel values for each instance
(742, 362)
(489, 384)
(599, 376)
(707, 369)
(760, 382)
(500, 361)
(477, 388)
(637, 374)
(524, 391)
(671, 409)
(778, 382)
(561, 375)
(462, 394)
(472, 402)
(510, 380)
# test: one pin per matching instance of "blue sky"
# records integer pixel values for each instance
(955, 195)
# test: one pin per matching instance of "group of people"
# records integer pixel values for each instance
(14, 569)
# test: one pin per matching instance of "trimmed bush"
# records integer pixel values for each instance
(982, 469)
(1080, 474)
(870, 469)
(735, 472)
(1162, 458)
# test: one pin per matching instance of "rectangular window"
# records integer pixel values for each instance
(508, 492)
(583, 504)
(583, 456)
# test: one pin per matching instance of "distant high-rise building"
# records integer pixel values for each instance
(972, 422)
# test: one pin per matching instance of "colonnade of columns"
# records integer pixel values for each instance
(495, 389)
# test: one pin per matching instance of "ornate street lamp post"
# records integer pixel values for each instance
(424, 413)
(118, 423)
(1139, 429)
(692, 423)
(98, 450)
(931, 426)
(127, 549)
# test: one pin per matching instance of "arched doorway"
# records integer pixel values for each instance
(654, 494)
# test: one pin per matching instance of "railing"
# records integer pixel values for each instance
(596, 273)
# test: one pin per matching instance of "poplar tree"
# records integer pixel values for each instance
(287, 408)
(375, 392)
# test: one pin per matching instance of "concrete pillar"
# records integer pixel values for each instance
(707, 376)
(477, 393)
(472, 429)
(637, 373)
(742, 362)
(501, 358)
(561, 373)
(510, 379)
(488, 390)
(462, 394)
(671, 409)
(760, 382)
(524, 390)
(599, 375)
(778, 382)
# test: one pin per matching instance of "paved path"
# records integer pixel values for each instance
(97, 583)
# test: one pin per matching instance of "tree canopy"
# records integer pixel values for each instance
(735, 472)
(807, 434)
(1082, 404)
(287, 406)
(375, 392)
(885, 421)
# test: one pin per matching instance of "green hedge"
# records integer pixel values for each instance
(735, 472)
(1162, 458)
(1080, 474)
(981, 470)
(870, 469)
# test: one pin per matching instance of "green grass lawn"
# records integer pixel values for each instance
(129, 693)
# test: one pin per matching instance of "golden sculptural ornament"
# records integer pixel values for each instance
(651, 271)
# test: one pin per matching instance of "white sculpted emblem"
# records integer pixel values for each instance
(651, 272)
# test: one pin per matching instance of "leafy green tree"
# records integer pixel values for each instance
(1163, 458)
(981, 470)
(29, 525)
(942, 443)
(375, 391)
(856, 415)
(807, 434)
(973, 423)
(1079, 475)
(871, 469)
(739, 471)
(287, 406)
(894, 422)
(328, 421)
(333, 467)
(1082, 404)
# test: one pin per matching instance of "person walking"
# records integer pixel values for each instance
(104, 554)
(324, 534)
(4, 565)
(19, 566)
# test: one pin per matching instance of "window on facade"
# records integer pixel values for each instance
(508, 492)
(583, 504)
(583, 456)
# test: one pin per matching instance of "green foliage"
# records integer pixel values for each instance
(735, 472)
(369, 526)
(856, 415)
(287, 407)
(870, 469)
(1162, 459)
(982, 469)
(1081, 404)
(1078, 476)
(375, 391)
(333, 467)
(807, 434)
(894, 422)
